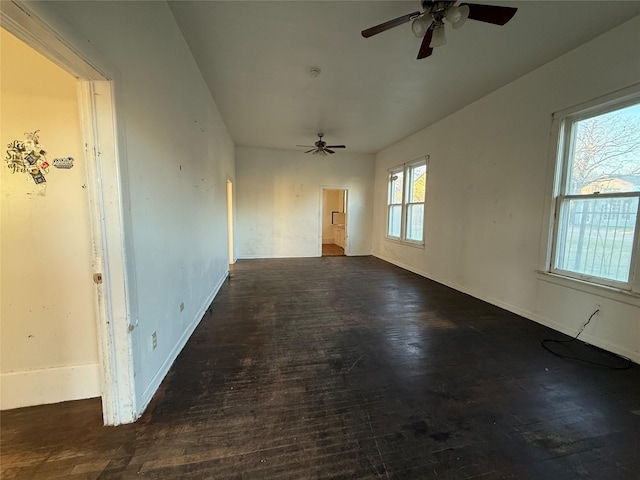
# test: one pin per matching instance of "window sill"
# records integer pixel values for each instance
(404, 242)
(612, 293)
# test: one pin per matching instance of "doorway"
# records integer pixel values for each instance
(49, 328)
(334, 222)
(230, 221)
(107, 371)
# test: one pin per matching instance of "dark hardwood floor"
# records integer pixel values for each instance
(346, 368)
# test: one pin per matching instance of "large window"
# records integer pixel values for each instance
(405, 203)
(597, 194)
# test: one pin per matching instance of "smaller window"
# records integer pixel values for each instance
(405, 202)
(396, 185)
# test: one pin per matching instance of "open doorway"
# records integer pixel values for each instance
(334, 222)
(230, 221)
(98, 363)
(49, 326)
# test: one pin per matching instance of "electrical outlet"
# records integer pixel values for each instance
(182, 306)
(154, 340)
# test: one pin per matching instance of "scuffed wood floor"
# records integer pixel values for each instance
(347, 368)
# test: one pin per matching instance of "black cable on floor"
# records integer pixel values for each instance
(626, 362)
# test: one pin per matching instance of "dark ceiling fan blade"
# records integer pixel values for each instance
(309, 151)
(425, 49)
(495, 14)
(369, 32)
(335, 146)
(328, 151)
(306, 146)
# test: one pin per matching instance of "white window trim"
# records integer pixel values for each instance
(404, 169)
(628, 292)
(390, 173)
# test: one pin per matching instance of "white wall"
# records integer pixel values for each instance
(175, 156)
(487, 189)
(279, 195)
(49, 350)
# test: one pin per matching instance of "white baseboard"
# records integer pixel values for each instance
(49, 385)
(264, 257)
(155, 382)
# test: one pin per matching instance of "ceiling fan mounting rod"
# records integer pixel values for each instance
(437, 9)
(436, 5)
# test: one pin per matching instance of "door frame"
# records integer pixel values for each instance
(105, 192)
(346, 211)
(230, 231)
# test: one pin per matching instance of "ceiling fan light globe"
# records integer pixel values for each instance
(453, 15)
(420, 26)
(462, 15)
(439, 39)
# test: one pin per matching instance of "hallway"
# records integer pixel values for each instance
(349, 367)
(331, 250)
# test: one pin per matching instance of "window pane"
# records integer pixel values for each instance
(395, 216)
(415, 219)
(417, 177)
(595, 236)
(395, 188)
(606, 153)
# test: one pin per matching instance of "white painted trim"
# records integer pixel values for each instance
(529, 315)
(258, 257)
(155, 382)
(22, 22)
(114, 325)
(604, 291)
(49, 385)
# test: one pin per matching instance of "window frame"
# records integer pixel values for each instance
(562, 151)
(405, 169)
(391, 173)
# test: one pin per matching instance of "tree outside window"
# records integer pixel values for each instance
(405, 202)
(598, 194)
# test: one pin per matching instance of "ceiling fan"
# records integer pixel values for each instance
(321, 147)
(429, 24)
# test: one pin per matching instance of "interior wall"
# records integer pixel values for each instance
(279, 195)
(486, 206)
(49, 350)
(175, 156)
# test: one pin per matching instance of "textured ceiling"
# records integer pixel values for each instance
(371, 92)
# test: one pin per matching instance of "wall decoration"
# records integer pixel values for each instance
(65, 163)
(29, 157)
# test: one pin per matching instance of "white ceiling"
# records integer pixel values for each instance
(255, 56)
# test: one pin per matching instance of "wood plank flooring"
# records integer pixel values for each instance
(349, 368)
(331, 249)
